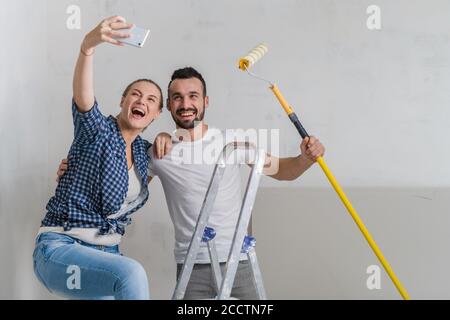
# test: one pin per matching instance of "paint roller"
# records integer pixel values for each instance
(245, 64)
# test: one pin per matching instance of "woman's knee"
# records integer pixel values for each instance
(132, 271)
(132, 281)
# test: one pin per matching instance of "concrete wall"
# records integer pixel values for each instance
(378, 99)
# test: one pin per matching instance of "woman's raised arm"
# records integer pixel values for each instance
(83, 79)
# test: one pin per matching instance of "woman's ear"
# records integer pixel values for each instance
(158, 114)
(121, 101)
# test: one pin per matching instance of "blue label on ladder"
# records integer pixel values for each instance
(208, 234)
(248, 243)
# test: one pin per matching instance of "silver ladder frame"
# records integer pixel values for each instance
(238, 245)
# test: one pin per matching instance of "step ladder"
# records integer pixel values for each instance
(241, 243)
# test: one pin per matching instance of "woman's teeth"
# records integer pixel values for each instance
(138, 113)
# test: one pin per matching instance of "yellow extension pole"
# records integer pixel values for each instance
(347, 204)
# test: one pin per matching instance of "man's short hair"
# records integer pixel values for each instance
(188, 73)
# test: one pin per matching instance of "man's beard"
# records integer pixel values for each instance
(192, 124)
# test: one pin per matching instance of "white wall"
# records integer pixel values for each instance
(377, 99)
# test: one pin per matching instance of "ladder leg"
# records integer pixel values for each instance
(189, 261)
(256, 272)
(241, 227)
(215, 265)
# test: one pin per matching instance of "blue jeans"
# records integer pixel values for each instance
(77, 270)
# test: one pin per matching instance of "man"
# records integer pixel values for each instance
(185, 168)
(185, 173)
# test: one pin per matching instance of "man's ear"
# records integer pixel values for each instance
(168, 104)
(206, 102)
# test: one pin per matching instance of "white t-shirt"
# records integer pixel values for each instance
(185, 174)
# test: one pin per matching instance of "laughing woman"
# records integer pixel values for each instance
(77, 248)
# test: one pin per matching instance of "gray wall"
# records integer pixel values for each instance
(377, 99)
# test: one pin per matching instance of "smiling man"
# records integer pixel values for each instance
(188, 99)
(185, 182)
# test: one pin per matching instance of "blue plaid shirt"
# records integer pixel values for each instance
(96, 182)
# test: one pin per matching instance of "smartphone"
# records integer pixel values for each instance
(137, 38)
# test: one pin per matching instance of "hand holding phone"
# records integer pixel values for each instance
(137, 38)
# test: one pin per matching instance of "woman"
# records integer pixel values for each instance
(77, 253)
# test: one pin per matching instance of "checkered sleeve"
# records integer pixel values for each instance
(87, 125)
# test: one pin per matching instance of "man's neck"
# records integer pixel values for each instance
(196, 133)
